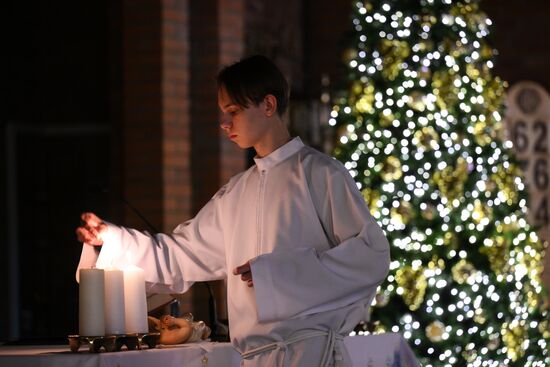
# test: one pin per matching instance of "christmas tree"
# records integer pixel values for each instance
(420, 129)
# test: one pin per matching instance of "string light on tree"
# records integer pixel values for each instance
(420, 130)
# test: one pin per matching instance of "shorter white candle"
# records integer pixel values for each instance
(135, 301)
(91, 303)
(114, 302)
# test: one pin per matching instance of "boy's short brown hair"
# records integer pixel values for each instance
(251, 79)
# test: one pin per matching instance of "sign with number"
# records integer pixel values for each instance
(528, 121)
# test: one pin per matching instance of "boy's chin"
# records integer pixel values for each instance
(243, 145)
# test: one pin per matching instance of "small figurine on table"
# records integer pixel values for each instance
(176, 330)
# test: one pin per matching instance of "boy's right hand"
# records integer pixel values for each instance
(90, 230)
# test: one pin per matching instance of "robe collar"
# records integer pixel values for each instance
(279, 154)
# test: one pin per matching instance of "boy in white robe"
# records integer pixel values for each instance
(292, 235)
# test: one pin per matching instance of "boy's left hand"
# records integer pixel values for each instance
(245, 272)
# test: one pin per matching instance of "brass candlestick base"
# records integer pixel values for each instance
(114, 343)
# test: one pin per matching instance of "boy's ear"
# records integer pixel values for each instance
(270, 105)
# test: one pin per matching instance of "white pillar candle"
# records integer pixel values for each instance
(91, 303)
(114, 302)
(135, 301)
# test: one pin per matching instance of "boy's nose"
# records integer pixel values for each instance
(225, 122)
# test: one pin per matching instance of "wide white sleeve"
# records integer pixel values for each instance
(194, 251)
(305, 281)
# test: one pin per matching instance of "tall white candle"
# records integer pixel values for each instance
(91, 303)
(135, 301)
(114, 302)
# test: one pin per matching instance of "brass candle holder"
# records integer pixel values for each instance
(113, 343)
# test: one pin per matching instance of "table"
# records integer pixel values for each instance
(381, 350)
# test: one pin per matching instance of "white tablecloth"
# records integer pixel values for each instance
(384, 350)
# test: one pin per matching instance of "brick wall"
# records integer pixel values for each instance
(216, 41)
(204, 108)
(142, 105)
(176, 130)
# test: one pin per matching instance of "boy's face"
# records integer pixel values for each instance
(247, 127)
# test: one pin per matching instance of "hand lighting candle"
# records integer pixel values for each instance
(91, 302)
(114, 302)
(135, 301)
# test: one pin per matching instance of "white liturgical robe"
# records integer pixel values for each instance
(316, 253)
